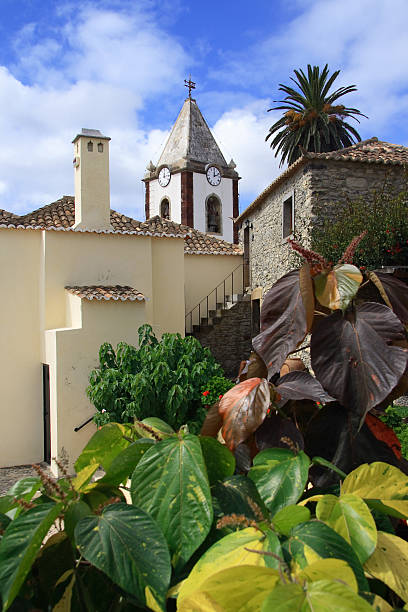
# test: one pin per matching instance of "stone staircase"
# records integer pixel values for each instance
(214, 316)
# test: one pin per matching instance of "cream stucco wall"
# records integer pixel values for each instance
(168, 285)
(21, 404)
(72, 353)
(41, 323)
(91, 177)
(76, 258)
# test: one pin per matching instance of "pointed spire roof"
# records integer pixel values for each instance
(190, 141)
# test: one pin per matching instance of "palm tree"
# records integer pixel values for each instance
(312, 121)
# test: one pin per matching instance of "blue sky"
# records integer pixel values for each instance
(119, 66)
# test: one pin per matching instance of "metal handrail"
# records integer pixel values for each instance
(205, 300)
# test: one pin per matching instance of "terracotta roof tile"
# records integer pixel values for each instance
(7, 217)
(60, 215)
(371, 151)
(108, 292)
(204, 244)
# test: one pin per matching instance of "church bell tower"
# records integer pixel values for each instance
(192, 183)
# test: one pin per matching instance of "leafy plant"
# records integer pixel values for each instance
(197, 537)
(384, 217)
(215, 389)
(313, 121)
(162, 379)
(396, 417)
(359, 355)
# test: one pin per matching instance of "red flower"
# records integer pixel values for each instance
(387, 231)
(362, 267)
(220, 396)
(206, 393)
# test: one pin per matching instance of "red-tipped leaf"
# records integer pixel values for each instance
(243, 408)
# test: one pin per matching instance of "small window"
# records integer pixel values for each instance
(288, 222)
(165, 209)
(100, 147)
(90, 146)
(214, 215)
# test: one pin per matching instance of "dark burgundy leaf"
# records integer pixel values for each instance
(329, 436)
(395, 290)
(254, 367)
(243, 459)
(352, 360)
(301, 385)
(243, 408)
(283, 322)
(277, 431)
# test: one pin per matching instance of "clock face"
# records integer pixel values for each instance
(164, 177)
(213, 175)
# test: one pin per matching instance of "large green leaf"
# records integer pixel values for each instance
(389, 563)
(231, 551)
(319, 596)
(235, 589)
(288, 517)
(128, 545)
(170, 482)
(328, 569)
(101, 449)
(124, 464)
(219, 461)
(243, 408)
(314, 539)
(280, 476)
(383, 487)
(239, 495)
(73, 514)
(24, 489)
(349, 516)
(20, 545)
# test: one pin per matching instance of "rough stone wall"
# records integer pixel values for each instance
(333, 183)
(230, 340)
(319, 189)
(270, 256)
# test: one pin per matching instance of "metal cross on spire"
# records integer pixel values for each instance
(190, 84)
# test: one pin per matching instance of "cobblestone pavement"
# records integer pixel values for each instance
(10, 475)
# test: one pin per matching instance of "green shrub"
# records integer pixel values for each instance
(396, 417)
(163, 379)
(386, 222)
(215, 389)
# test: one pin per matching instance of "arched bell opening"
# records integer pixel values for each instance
(213, 215)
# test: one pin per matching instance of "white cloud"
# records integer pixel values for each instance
(241, 133)
(98, 71)
(365, 39)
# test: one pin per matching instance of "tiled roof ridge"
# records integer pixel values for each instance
(371, 151)
(60, 215)
(106, 292)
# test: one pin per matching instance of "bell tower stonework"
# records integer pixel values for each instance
(192, 182)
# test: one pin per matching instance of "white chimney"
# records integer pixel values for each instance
(91, 172)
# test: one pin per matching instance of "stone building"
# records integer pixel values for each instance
(192, 182)
(310, 190)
